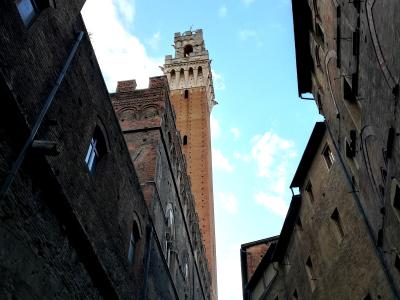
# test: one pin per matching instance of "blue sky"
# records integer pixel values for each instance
(259, 128)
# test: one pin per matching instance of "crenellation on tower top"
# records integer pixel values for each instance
(191, 66)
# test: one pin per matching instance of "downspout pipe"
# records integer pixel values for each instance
(39, 120)
(378, 253)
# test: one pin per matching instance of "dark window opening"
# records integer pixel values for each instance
(186, 94)
(187, 50)
(397, 262)
(338, 222)
(379, 241)
(368, 297)
(382, 190)
(310, 192)
(299, 224)
(396, 198)
(29, 9)
(310, 273)
(319, 34)
(351, 144)
(328, 155)
(356, 42)
(338, 44)
(96, 150)
(390, 142)
(348, 91)
(134, 239)
(185, 139)
(384, 175)
(295, 295)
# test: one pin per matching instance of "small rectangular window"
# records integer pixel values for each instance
(27, 10)
(339, 233)
(186, 94)
(185, 139)
(328, 156)
(310, 192)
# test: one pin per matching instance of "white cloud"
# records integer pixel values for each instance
(154, 41)
(245, 34)
(243, 157)
(126, 8)
(272, 155)
(222, 11)
(248, 2)
(269, 149)
(218, 80)
(215, 128)
(219, 161)
(229, 279)
(236, 133)
(274, 204)
(120, 54)
(228, 201)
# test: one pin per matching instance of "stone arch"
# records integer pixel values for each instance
(148, 112)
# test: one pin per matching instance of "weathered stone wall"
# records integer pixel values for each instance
(329, 255)
(66, 231)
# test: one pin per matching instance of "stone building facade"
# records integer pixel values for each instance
(78, 221)
(192, 96)
(345, 55)
(147, 120)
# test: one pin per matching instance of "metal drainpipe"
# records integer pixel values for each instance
(378, 253)
(39, 120)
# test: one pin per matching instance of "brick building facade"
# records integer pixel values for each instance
(78, 221)
(341, 238)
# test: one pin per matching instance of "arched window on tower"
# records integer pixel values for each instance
(187, 50)
(185, 139)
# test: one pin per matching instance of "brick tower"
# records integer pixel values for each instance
(192, 96)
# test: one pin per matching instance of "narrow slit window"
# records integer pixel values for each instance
(310, 273)
(186, 94)
(310, 192)
(295, 295)
(339, 232)
(185, 139)
(328, 156)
